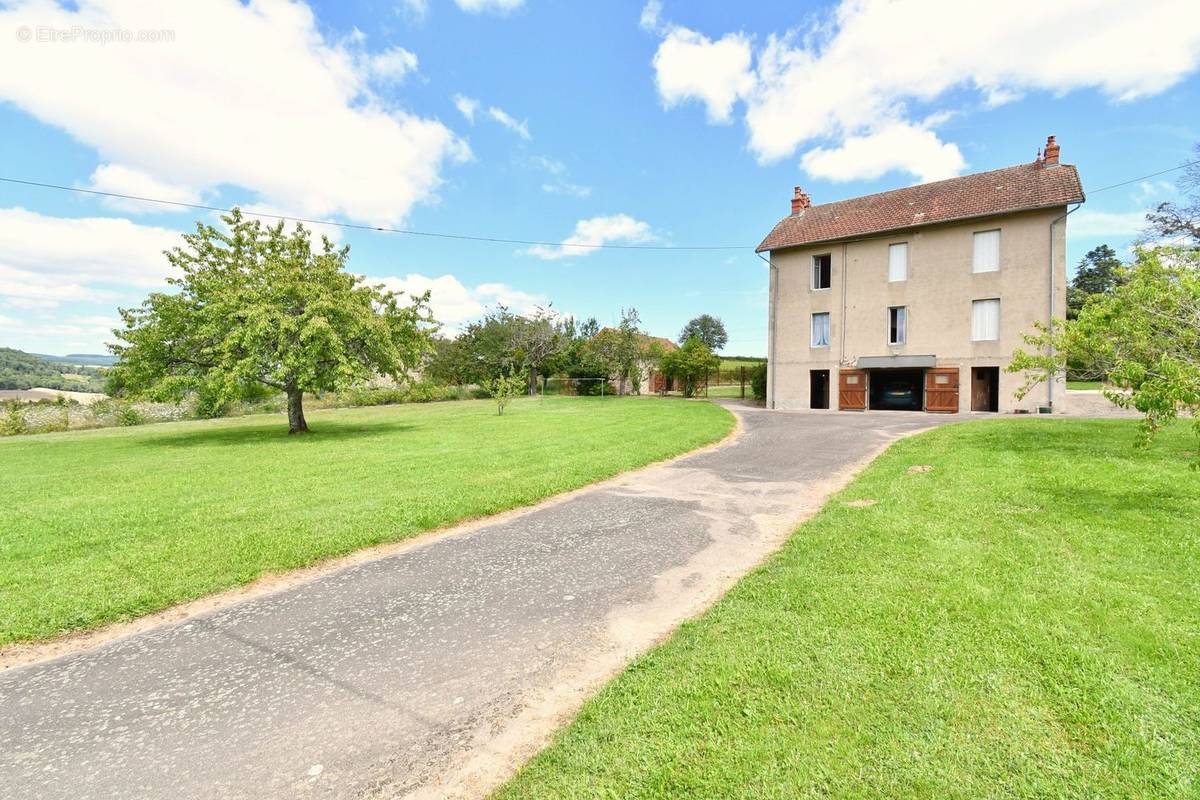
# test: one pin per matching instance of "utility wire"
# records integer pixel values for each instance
(1142, 178)
(376, 228)
(456, 236)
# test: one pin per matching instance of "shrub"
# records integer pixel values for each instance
(128, 416)
(13, 421)
(503, 388)
(758, 382)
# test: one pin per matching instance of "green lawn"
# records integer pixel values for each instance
(1022, 621)
(105, 525)
(1082, 385)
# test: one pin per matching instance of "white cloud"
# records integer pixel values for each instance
(690, 65)
(519, 127)
(124, 180)
(861, 69)
(559, 183)
(44, 257)
(73, 334)
(651, 17)
(567, 188)
(467, 106)
(899, 146)
(493, 6)
(454, 303)
(617, 228)
(416, 10)
(392, 65)
(1098, 224)
(246, 94)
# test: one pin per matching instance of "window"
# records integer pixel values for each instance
(822, 271)
(987, 252)
(820, 329)
(898, 262)
(897, 325)
(985, 320)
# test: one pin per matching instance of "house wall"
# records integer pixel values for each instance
(938, 295)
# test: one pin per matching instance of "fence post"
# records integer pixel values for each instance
(742, 375)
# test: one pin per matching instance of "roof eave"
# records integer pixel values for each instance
(762, 247)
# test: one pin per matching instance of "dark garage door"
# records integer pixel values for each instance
(897, 389)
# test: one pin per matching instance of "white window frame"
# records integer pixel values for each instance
(813, 272)
(812, 329)
(976, 266)
(893, 249)
(902, 327)
(976, 323)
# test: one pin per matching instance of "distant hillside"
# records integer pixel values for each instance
(85, 359)
(20, 370)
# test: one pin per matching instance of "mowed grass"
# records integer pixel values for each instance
(1022, 621)
(107, 525)
(1085, 385)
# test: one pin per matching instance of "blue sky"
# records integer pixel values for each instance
(666, 123)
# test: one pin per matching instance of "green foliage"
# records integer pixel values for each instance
(503, 388)
(415, 392)
(128, 416)
(690, 364)
(20, 370)
(1143, 337)
(1098, 273)
(13, 420)
(758, 382)
(706, 328)
(257, 306)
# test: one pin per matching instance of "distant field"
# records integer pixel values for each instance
(734, 363)
(105, 525)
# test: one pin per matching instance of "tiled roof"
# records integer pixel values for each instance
(1001, 191)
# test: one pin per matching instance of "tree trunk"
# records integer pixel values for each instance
(296, 423)
(533, 375)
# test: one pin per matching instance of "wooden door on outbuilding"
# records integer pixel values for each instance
(852, 390)
(941, 390)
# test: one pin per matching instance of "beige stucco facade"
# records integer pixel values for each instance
(937, 294)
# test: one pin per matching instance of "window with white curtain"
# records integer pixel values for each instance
(987, 252)
(985, 320)
(820, 329)
(898, 262)
(897, 325)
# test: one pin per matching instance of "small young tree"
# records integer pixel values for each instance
(503, 388)
(256, 305)
(690, 364)
(706, 328)
(1144, 337)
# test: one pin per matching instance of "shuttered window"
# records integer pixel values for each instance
(985, 320)
(987, 252)
(820, 329)
(898, 262)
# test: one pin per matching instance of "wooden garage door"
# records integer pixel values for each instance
(941, 390)
(852, 390)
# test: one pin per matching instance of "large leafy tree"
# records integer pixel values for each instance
(1180, 222)
(1098, 273)
(1144, 337)
(690, 364)
(706, 328)
(258, 306)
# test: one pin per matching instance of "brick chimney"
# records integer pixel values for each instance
(1050, 158)
(800, 200)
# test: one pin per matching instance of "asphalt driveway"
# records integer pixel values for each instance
(436, 670)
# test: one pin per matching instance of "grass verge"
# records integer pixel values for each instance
(107, 525)
(1020, 621)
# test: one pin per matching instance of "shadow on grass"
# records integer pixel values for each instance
(275, 433)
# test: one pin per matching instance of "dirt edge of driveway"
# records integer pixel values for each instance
(21, 654)
(499, 748)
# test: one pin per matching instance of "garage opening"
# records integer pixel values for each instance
(897, 389)
(818, 388)
(985, 389)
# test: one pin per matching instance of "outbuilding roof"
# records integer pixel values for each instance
(1000, 191)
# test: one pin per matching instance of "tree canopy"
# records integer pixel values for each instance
(708, 329)
(690, 364)
(1097, 273)
(1180, 222)
(1143, 337)
(255, 305)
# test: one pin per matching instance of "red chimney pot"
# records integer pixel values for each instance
(800, 200)
(1051, 153)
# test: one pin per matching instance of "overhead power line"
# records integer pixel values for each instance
(457, 236)
(376, 228)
